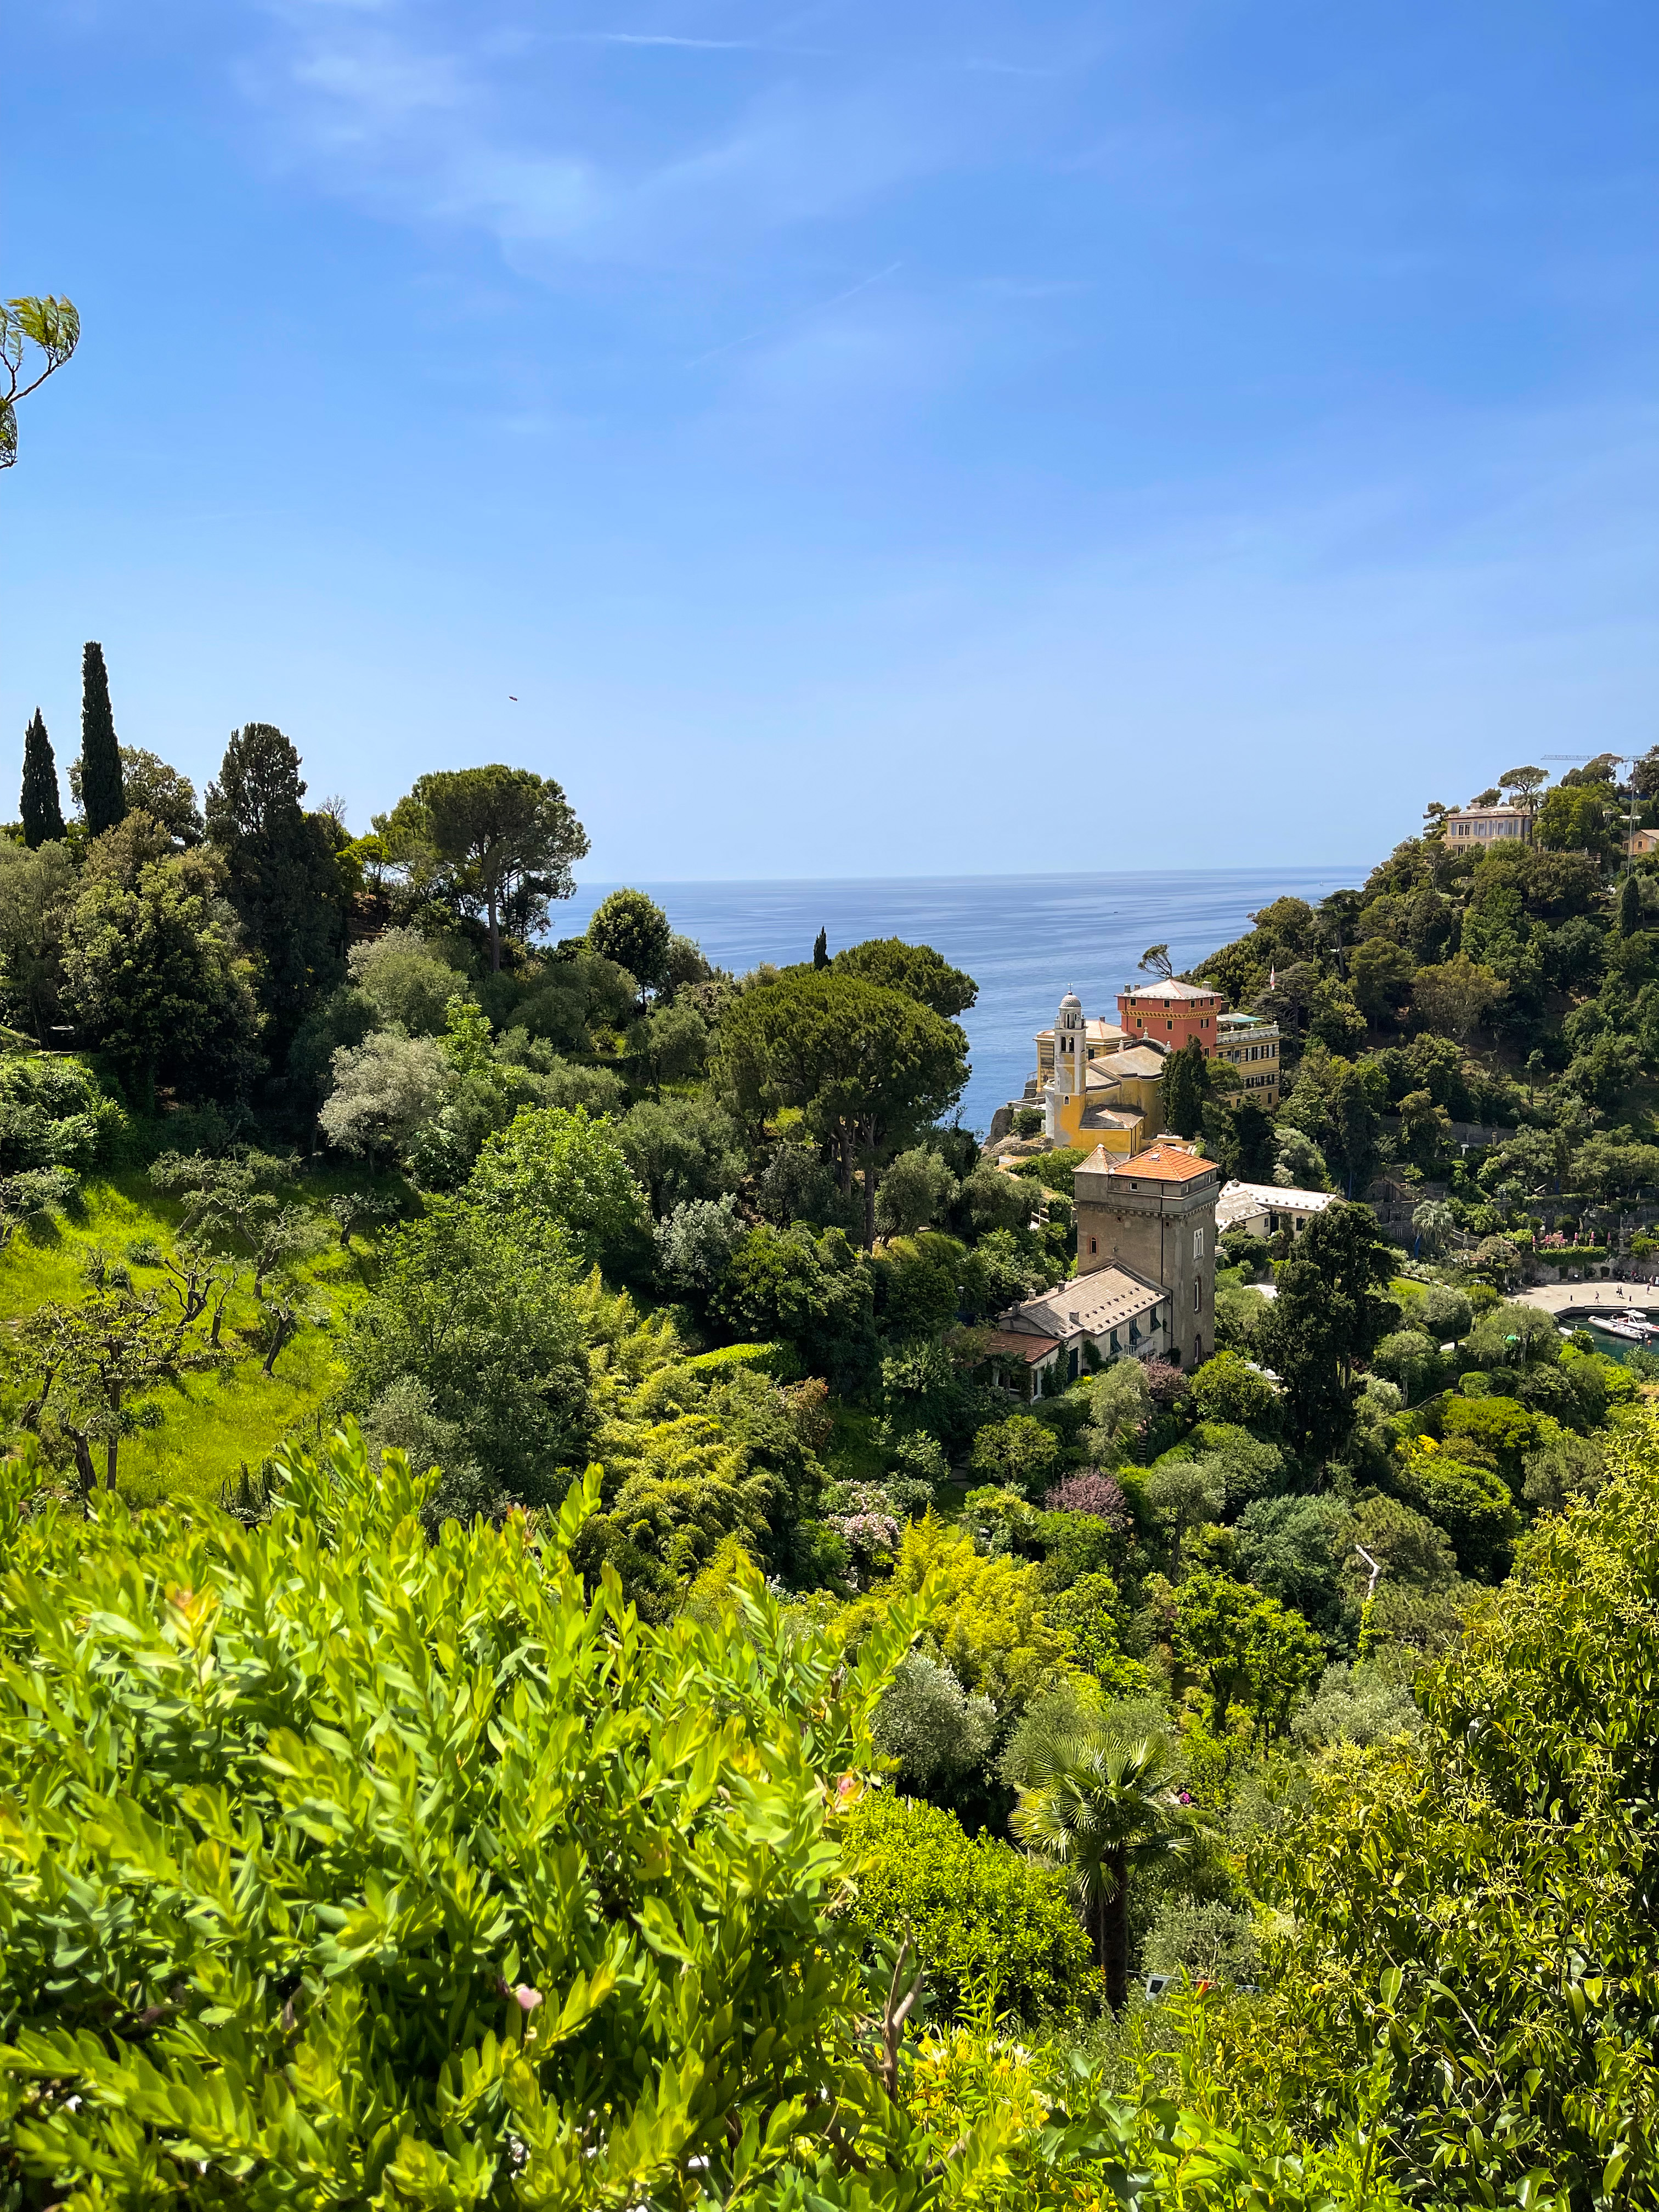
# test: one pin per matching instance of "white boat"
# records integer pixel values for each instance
(1624, 1325)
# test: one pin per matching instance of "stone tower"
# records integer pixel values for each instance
(1154, 1213)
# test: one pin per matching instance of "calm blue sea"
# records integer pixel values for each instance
(1025, 939)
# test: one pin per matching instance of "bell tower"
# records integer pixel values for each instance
(1070, 1057)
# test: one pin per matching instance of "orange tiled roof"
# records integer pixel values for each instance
(1158, 1163)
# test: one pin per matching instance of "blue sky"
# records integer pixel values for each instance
(867, 439)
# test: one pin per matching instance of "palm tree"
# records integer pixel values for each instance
(1103, 1807)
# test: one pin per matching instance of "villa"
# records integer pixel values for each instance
(1265, 1208)
(1464, 825)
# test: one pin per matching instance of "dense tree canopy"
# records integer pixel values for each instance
(869, 1065)
(1329, 1316)
(154, 970)
(281, 874)
(915, 969)
(632, 930)
(1148, 1652)
(499, 841)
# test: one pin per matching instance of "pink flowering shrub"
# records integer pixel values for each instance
(1091, 1492)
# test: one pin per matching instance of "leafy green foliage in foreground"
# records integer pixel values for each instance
(333, 1860)
(341, 1866)
(1467, 1956)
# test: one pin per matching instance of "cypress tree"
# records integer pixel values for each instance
(102, 793)
(820, 949)
(43, 811)
(281, 874)
(1186, 1086)
(1627, 907)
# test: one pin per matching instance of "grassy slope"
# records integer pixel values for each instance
(212, 1423)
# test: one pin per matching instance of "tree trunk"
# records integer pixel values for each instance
(83, 1466)
(1114, 1944)
(281, 1330)
(495, 937)
(870, 1132)
(843, 1162)
(111, 1450)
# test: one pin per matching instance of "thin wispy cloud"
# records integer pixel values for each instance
(981, 68)
(673, 39)
(819, 307)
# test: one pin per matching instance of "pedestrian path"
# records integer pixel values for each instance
(1592, 1297)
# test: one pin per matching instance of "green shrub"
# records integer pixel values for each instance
(54, 1113)
(978, 1911)
(1227, 1389)
(1090, 1611)
(1055, 1170)
(1471, 1504)
(1469, 1921)
(764, 1359)
(1495, 1425)
(341, 1866)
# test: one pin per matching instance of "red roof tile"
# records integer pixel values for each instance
(1158, 1163)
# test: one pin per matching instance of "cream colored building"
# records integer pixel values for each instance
(1469, 826)
(1265, 1208)
(1144, 1285)
(1250, 1043)
(1046, 1342)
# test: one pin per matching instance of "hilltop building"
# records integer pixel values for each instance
(1171, 1012)
(1154, 1215)
(1467, 826)
(1249, 1042)
(1078, 1325)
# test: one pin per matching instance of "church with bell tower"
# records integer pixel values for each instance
(1099, 1087)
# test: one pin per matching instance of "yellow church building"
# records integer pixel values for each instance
(1098, 1086)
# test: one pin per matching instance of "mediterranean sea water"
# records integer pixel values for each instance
(1025, 939)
